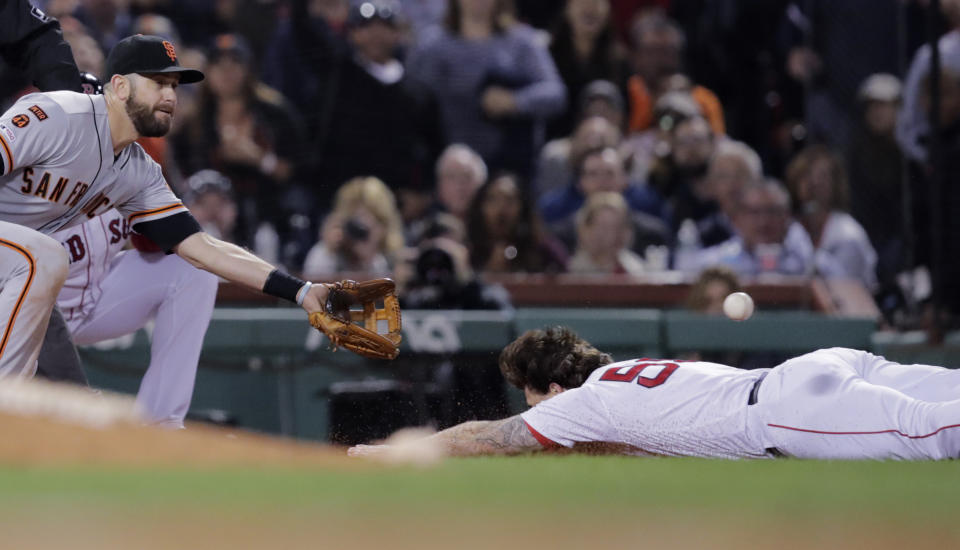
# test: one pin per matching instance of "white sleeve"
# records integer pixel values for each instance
(32, 131)
(574, 416)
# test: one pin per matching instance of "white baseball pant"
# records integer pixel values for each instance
(179, 298)
(33, 267)
(847, 404)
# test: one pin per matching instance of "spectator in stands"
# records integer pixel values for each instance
(732, 48)
(254, 20)
(948, 234)
(369, 122)
(423, 16)
(625, 13)
(836, 44)
(443, 279)
(288, 67)
(209, 196)
(460, 174)
(156, 25)
(555, 169)
(734, 165)
(913, 122)
(604, 99)
(658, 44)
(585, 49)
(767, 240)
(362, 234)
(601, 169)
(679, 176)
(108, 21)
(876, 174)
(505, 232)
(86, 51)
(643, 148)
(248, 132)
(604, 237)
(433, 226)
(818, 184)
(494, 82)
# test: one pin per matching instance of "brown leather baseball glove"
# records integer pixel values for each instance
(340, 323)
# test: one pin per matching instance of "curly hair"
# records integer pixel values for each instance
(556, 354)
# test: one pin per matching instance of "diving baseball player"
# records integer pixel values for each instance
(830, 404)
(110, 292)
(66, 158)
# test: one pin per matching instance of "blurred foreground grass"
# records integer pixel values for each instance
(885, 491)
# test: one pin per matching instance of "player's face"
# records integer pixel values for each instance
(151, 104)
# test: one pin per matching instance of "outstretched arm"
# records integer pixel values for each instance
(237, 265)
(497, 437)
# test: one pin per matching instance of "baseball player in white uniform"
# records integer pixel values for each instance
(830, 404)
(110, 292)
(66, 158)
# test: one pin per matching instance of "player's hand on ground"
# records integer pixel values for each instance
(367, 450)
(316, 298)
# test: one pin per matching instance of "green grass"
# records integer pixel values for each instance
(884, 491)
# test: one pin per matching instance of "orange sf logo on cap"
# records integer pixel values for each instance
(171, 53)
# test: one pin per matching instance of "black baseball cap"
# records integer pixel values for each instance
(143, 53)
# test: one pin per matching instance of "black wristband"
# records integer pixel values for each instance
(283, 285)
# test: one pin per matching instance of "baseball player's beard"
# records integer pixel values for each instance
(145, 120)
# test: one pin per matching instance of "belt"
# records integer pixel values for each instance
(752, 400)
(755, 390)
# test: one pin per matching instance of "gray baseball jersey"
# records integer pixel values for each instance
(57, 167)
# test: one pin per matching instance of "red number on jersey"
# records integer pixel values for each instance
(628, 374)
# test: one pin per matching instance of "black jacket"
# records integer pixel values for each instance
(31, 42)
(364, 126)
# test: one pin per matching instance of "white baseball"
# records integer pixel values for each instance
(738, 306)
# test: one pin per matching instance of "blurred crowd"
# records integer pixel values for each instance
(441, 140)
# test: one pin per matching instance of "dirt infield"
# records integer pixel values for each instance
(44, 442)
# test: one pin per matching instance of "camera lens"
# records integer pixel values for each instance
(356, 230)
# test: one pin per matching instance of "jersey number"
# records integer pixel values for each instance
(649, 379)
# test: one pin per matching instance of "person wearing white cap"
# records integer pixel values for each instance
(874, 164)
